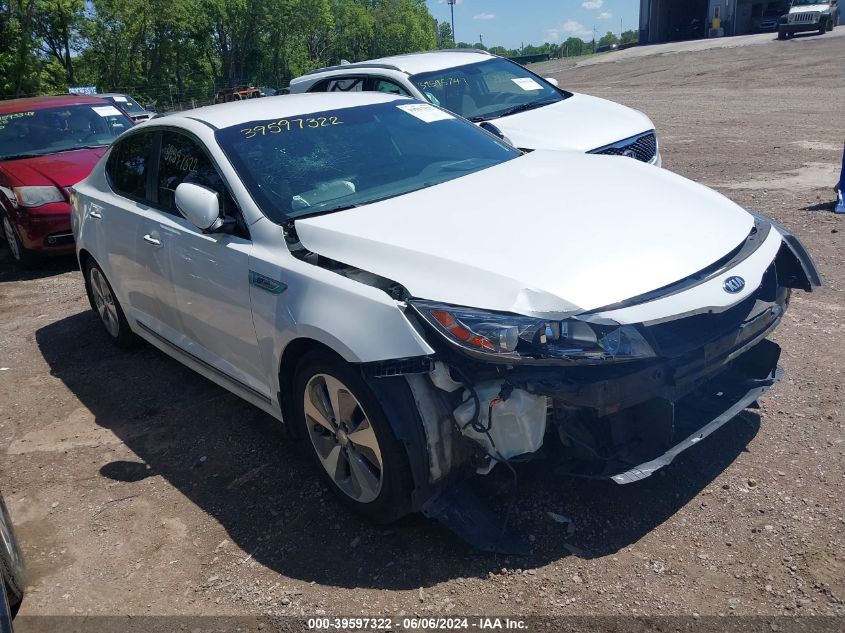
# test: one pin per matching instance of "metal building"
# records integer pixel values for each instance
(674, 20)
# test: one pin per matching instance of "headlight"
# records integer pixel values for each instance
(515, 338)
(36, 196)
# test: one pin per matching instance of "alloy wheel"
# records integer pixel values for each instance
(11, 238)
(343, 438)
(104, 300)
(7, 543)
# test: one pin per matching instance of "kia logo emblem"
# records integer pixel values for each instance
(629, 153)
(734, 284)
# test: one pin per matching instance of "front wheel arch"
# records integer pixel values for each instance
(292, 354)
(393, 394)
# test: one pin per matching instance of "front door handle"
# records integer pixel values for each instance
(149, 239)
(96, 215)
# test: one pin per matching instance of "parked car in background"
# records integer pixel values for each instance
(11, 571)
(240, 93)
(530, 111)
(809, 15)
(416, 300)
(48, 144)
(767, 22)
(136, 112)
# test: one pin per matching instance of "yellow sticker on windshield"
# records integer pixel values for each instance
(290, 125)
(5, 118)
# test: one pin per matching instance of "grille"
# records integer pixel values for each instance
(643, 147)
(806, 17)
(679, 337)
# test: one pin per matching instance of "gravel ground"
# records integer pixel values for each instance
(140, 488)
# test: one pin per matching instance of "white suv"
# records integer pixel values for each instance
(530, 112)
(418, 300)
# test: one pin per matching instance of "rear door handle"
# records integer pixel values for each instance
(149, 239)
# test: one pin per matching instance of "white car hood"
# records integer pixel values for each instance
(810, 7)
(546, 234)
(581, 123)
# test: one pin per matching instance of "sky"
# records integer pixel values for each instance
(510, 23)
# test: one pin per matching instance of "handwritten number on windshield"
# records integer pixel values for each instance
(289, 125)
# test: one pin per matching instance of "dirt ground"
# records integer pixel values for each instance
(140, 488)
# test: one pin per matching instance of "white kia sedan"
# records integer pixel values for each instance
(530, 111)
(416, 299)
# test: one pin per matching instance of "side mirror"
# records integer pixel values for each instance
(486, 125)
(200, 206)
(150, 107)
(552, 81)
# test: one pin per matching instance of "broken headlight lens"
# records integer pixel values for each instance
(516, 338)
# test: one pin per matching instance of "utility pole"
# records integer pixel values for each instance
(481, 38)
(452, 9)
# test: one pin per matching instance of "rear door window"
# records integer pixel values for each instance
(341, 84)
(388, 87)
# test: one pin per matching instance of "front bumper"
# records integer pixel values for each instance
(45, 230)
(803, 27)
(625, 421)
(723, 398)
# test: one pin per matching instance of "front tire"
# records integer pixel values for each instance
(11, 562)
(105, 304)
(344, 429)
(22, 256)
(823, 28)
(781, 34)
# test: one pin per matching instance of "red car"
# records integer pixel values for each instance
(48, 144)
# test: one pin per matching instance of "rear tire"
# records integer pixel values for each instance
(11, 562)
(104, 302)
(22, 256)
(349, 439)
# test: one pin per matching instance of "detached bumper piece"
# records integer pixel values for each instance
(633, 444)
(460, 510)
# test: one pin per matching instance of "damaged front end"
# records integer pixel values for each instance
(608, 400)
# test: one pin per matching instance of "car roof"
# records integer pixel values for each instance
(278, 107)
(113, 94)
(412, 63)
(40, 103)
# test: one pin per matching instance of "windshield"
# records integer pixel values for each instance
(487, 90)
(127, 103)
(805, 3)
(38, 132)
(328, 161)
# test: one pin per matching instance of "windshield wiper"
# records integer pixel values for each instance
(523, 107)
(17, 156)
(73, 149)
(314, 214)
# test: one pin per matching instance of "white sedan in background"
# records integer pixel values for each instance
(530, 111)
(416, 299)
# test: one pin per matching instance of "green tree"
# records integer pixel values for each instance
(354, 26)
(57, 24)
(608, 39)
(629, 37)
(445, 37)
(573, 47)
(19, 65)
(402, 26)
